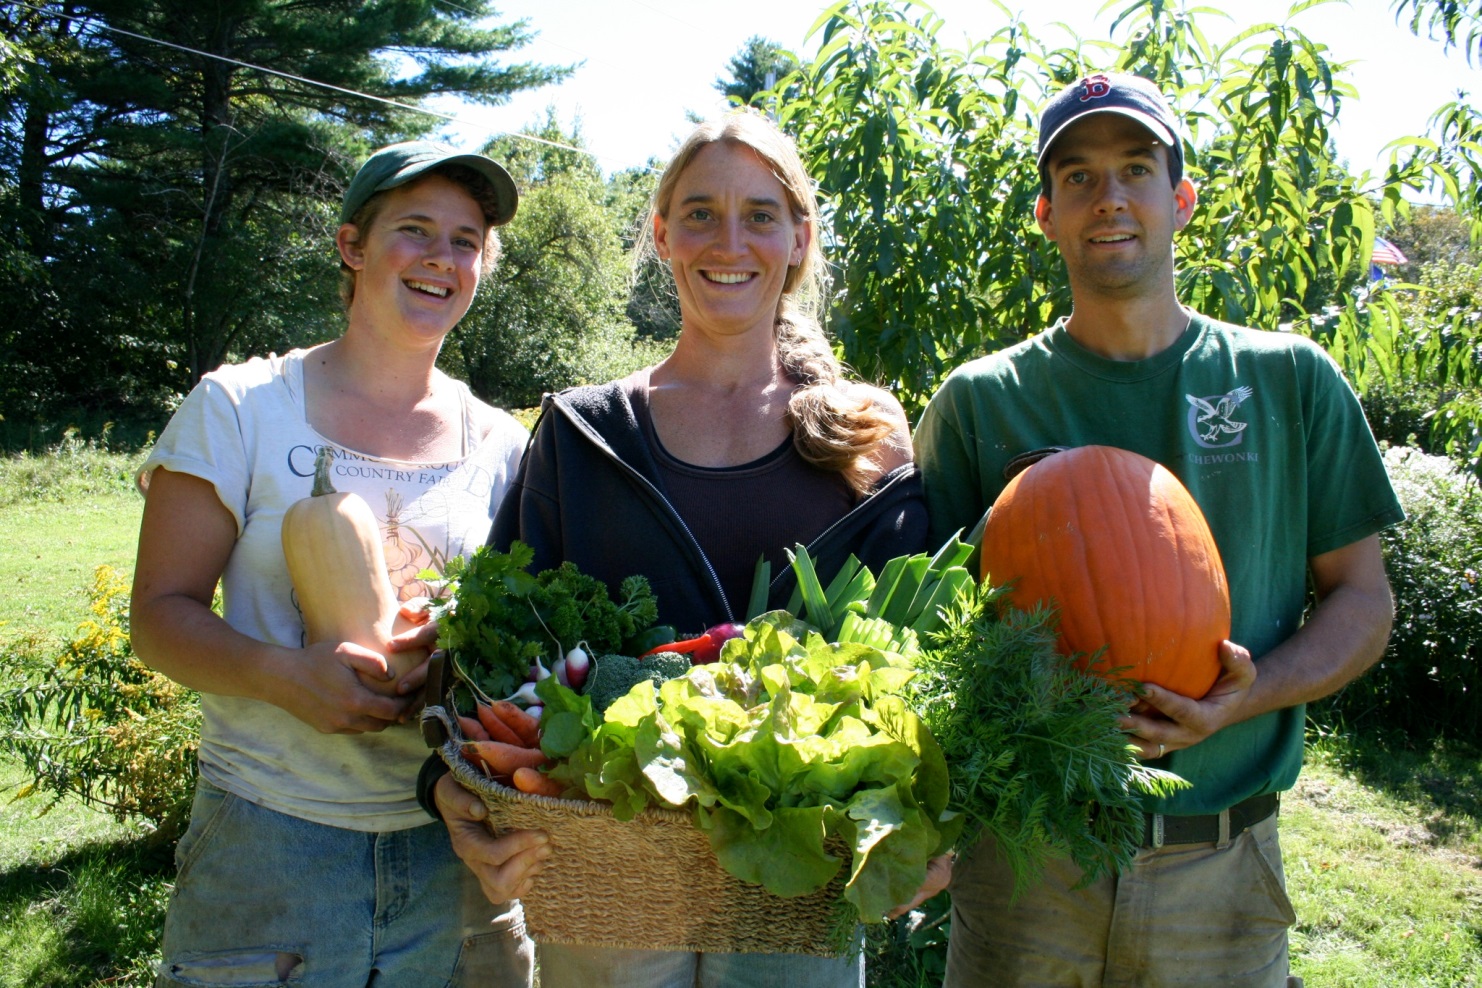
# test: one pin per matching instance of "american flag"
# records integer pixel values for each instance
(1387, 253)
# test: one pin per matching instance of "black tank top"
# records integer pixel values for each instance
(740, 513)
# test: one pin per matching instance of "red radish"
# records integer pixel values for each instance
(525, 694)
(558, 669)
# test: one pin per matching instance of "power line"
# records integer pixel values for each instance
(451, 118)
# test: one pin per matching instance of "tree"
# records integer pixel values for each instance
(151, 159)
(924, 156)
(551, 314)
(1447, 19)
(756, 68)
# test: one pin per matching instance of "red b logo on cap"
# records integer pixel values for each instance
(1095, 87)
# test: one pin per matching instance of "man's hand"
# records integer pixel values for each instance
(1164, 721)
(506, 865)
(938, 875)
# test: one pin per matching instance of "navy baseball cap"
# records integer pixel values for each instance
(1111, 92)
(397, 164)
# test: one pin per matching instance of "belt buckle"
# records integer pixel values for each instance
(1157, 828)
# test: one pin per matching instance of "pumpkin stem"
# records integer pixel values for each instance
(322, 484)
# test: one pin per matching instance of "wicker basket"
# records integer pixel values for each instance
(649, 883)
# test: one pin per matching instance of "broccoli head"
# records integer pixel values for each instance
(612, 676)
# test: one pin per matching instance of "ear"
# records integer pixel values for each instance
(1185, 197)
(661, 237)
(802, 238)
(1044, 218)
(352, 251)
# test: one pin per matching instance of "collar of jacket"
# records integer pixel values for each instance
(605, 416)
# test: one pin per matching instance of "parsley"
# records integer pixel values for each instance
(500, 618)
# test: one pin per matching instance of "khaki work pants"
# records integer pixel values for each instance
(1182, 915)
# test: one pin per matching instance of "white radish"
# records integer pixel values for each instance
(578, 664)
(525, 696)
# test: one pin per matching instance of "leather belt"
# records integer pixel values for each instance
(1213, 828)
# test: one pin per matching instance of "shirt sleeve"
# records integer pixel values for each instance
(1351, 494)
(204, 439)
(949, 462)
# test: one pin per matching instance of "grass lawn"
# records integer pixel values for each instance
(82, 897)
(51, 553)
(1384, 860)
(62, 516)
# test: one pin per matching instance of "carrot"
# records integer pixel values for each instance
(527, 727)
(472, 729)
(533, 781)
(501, 758)
(497, 729)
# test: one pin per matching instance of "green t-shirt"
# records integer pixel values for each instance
(1259, 426)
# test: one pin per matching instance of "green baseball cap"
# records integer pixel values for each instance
(397, 164)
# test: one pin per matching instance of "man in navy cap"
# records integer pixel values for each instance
(1270, 440)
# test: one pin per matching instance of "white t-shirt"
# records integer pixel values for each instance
(243, 429)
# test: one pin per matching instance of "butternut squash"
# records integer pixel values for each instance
(332, 544)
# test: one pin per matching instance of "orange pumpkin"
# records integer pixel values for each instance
(1119, 545)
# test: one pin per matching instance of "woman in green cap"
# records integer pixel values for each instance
(307, 858)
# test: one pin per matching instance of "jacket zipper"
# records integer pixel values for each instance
(602, 444)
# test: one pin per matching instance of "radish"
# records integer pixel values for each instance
(578, 663)
(525, 696)
(558, 669)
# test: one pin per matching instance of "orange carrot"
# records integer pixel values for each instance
(501, 758)
(527, 727)
(534, 781)
(472, 729)
(497, 729)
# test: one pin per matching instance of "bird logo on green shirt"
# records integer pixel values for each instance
(1211, 420)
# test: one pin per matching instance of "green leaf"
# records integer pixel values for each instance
(787, 858)
(761, 582)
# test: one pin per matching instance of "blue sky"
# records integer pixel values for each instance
(646, 62)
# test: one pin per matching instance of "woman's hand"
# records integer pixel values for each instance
(325, 685)
(421, 638)
(506, 865)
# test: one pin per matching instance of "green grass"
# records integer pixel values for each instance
(62, 515)
(1384, 863)
(82, 897)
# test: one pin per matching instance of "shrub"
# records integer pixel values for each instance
(87, 718)
(74, 469)
(1428, 685)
